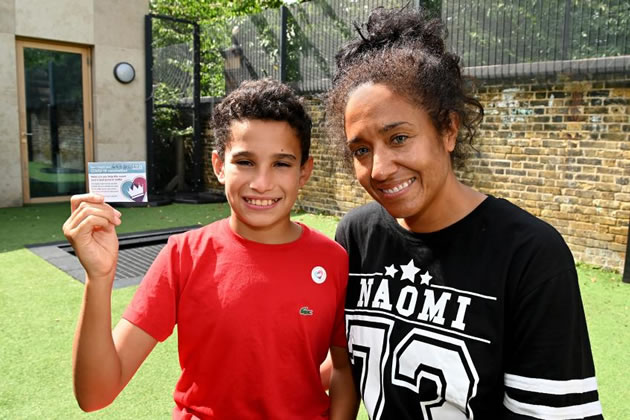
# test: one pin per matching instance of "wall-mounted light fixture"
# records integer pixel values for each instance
(124, 72)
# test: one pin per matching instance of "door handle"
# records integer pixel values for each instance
(24, 136)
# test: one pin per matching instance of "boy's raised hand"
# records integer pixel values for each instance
(90, 229)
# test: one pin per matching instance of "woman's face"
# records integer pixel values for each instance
(398, 155)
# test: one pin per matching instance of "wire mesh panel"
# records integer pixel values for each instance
(297, 48)
(172, 73)
(173, 140)
(172, 62)
(316, 31)
(254, 52)
(528, 37)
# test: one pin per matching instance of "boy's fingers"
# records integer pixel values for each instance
(102, 205)
(92, 221)
(85, 227)
(102, 209)
(76, 200)
(78, 219)
(90, 211)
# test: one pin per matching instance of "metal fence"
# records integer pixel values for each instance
(507, 38)
(530, 37)
(174, 143)
(295, 44)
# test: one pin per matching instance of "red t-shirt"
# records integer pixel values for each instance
(254, 321)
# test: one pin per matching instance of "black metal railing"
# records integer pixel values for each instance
(507, 38)
(174, 143)
(529, 37)
(296, 44)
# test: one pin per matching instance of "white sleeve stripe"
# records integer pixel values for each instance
(553, 413)
(548, 386)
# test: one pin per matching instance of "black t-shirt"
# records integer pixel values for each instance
(482, 319)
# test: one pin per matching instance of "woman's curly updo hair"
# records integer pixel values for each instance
(263, 99)
(404, 50)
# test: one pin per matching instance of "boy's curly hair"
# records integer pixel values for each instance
(263, 99)
(405, 50)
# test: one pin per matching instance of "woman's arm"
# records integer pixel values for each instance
(344, 401)
(325, 372)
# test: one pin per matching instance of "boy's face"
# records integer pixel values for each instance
(262, 175)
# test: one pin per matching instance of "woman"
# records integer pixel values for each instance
(459, 304)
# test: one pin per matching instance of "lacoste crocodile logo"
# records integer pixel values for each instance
(305, 311)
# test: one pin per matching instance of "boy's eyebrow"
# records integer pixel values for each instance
(285, 156)
(244, 153)
(247, 154)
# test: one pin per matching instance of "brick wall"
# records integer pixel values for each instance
(332, 189)
(559, 148)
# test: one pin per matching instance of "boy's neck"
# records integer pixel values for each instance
(281, 233)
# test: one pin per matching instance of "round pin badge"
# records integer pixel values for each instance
(318, 274)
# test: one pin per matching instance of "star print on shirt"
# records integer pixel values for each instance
(409, 271)
(425, 278)
(391, 271)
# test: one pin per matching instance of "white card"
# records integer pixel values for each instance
(119, 181)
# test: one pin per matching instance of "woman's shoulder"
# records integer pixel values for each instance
(510, 224)
(506, 215)
(369, 212)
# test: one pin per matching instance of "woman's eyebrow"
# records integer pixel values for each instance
(384, 129)
(391, 125)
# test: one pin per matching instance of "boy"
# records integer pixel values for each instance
(257, 299)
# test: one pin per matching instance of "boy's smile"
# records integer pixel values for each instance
(262, 175)
(260, 203)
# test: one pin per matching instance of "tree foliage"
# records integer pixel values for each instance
(213, 18)
(211, 11)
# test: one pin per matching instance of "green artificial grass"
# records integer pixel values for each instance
(39, 305)
(41, 223)
(607, 306)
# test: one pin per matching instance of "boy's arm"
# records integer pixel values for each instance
(344, 401)
(103, 362)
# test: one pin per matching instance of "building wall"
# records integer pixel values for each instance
(11, 181)
(559, 148)
(119, 109)
(114, 30)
